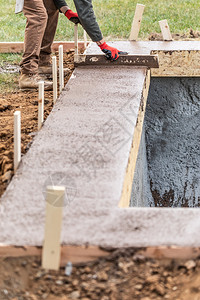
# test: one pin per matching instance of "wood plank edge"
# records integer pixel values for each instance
(83, 254)
(17, 47)
(131, 165)
(74, 254)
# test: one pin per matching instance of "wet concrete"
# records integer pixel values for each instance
(145, 47)
(85, 145)
(167, 171)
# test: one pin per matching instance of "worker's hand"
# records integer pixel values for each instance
(72, 16)
(110, 52)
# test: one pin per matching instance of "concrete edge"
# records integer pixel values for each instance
(130, 169)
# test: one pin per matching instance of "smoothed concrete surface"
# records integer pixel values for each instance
(85, 145)
(145, 47)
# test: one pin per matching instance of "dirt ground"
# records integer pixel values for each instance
(123, 275)
(191, 35)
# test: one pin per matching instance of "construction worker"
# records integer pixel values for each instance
(42, 18)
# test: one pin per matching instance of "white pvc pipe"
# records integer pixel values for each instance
(17, 139)
(61, 72)
(85, 39)
(54, 71)
(41, 104)
(76, 38)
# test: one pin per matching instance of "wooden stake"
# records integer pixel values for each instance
(41, 104)
(17, 139)
(136, 22)
(61, 72)
(85, 39)
(165, 30)
(54, 71)
(51, 249)
(76, 38)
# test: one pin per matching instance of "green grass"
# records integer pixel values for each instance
(9, 58)
(8, 81)
(114, 17)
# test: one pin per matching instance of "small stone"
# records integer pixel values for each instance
(190, 264)
(84, 285)
(174, 288)
(152, 279)
(87, 270)
(75, 282)
(100, 286)
(39, 274)
(59, 282)
(24, 263)
(48, 277)
(17, 270)
(5, 292)
(169, 279)
(33, 297)
(102, 276)
(138, 286)
(34, 265)
(75, 295)
(138, 258)
(7, 176)
(159, 289)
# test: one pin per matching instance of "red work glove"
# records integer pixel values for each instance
(110, 52)
(72, 16)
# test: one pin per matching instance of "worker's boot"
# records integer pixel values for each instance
(45, 70)
(30, 82)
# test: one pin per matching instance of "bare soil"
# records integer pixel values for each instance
(124, 275)
(191, 35)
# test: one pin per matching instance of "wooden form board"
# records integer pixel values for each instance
(165, 30)
(51, 249)
(74, 254)
(128, 178)
(17, 47)
(82, 254)
(150, 61)
(136, 22)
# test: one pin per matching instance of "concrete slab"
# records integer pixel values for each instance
(145, 47)
(85, 145)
